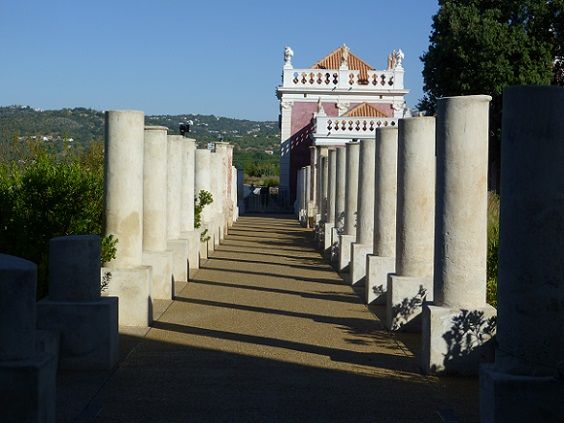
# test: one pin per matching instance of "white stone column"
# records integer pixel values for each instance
(285, 143)
(203, 183)
(526, 380)
(340, 185)
(415, 222)
(312, 207)
(365, 214)
(234, 192)
(225, 152)
(216, 178)
(351, 197)
(331, 200)
(27, 374)
(130, 280)
(307, 193)
(382, 262)
(460, 322)
(180, 247)
(155, 246)
(241, 191)
(86, 323)
(323, 185)
(188, 178)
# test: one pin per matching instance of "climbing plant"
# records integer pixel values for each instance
(203, 199)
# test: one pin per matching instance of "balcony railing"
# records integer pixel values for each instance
(331, 79)
(349, 127)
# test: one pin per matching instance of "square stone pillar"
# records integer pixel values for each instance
(525, 384)
(27, 375)
(87, 323)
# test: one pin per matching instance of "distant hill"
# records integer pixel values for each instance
(83, 125)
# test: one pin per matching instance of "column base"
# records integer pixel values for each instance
(506, 398)
(327, 239)
(28, 389)
(335, 246)
(377, 270)
(161, 262)
(457, 341)
(180, 251)
(133, 288)
(88, 331)
(404, 299)
(344, 260)
(358, 263)
(193, 238)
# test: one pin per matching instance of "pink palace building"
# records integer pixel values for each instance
(338, 99)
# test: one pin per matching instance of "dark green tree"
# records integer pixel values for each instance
(482, 46)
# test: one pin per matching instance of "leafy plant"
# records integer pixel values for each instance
(203, 199)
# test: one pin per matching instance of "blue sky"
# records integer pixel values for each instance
(179, 56)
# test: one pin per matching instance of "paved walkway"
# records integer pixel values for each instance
(267, 331)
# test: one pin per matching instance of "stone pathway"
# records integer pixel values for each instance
(267, 331)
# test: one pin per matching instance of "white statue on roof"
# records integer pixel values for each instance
(345, 57)
(288, 54)
(399, 56)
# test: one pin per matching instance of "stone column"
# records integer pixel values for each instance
(203, 183)
(412, 284)
(130, 280)
(234, 192)
(216, 207)
(307, 194)
(331, 200)
(225, 156)
(155, 253)
(27, 375)
(188, 177)
(241, 191)
(351, 197)
(323, 184)
(526, 380)
(180, 247)
(460, 323)
(340, 182)
(87, 324)
(365, 214)
(382, 262)
(312, 207)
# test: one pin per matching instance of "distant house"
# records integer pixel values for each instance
(337, 99)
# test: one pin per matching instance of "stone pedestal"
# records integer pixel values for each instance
(526, 383)
(193, 238)
(180, 252)
(327, 239)
(359, 252)
(385, 199)
(161, 263)
(133, 288)
(378, 269)
(344, 252)
(460, 325)
(87, 324)
(415, 220)
(27, 376)
(365, 213)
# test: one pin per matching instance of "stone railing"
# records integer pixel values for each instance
(350, 127)
(342, 79)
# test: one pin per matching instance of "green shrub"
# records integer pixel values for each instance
(493, 246)
(44, 196)
(204, 199)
